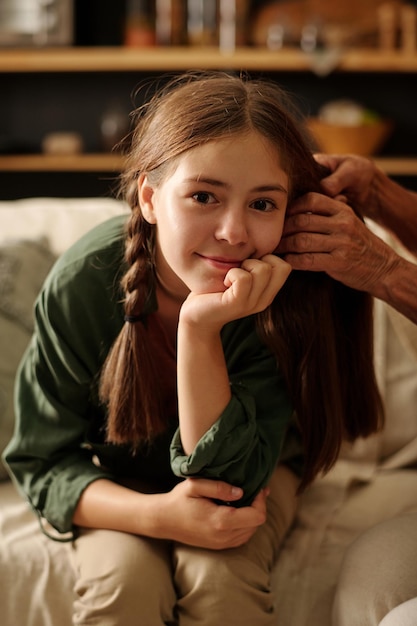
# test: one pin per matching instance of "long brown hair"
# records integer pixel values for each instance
(320, 330)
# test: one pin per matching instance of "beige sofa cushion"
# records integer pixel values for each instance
(33, 232)
(23, 267)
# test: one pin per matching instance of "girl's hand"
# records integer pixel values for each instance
(249, 289)
(203, 380)
(189, 514)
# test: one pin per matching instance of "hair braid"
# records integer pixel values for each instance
(128, 377)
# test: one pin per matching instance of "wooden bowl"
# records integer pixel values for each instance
(366, 139)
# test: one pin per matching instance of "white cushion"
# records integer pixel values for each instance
(61, 220)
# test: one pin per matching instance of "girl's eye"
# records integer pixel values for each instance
(203, 197)
(263, 205)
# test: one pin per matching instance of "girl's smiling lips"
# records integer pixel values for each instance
(222, 263)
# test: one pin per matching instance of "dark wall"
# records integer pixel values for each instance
(34, 104)
(31, 105)
(99, 22)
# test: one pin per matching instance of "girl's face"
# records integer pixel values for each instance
(225, 202)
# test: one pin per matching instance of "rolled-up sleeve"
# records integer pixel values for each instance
(243, 446)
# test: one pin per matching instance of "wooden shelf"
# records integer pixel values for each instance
(100, 162)
(397, 166)
(121, 59)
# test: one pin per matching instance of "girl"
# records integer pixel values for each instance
(175, 386)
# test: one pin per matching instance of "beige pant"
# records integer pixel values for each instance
(128, 580)
(379, 573)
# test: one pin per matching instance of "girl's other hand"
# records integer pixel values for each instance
(190, 514)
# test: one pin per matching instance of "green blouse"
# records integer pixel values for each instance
(59, 444)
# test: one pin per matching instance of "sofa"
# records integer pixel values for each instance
(373, 479)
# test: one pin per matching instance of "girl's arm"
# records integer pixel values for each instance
(186, 514)
(203, 382)
(233, 420)
(203, 379)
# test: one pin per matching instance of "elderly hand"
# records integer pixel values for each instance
(356, 178)
(324, 234)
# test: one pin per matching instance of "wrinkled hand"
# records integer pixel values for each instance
(324, 234)
(191, 516)
(249, 289)
(354, 177)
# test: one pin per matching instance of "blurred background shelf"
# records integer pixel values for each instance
(124, 59)
(398, 166)
(101, 162)
(70, 89)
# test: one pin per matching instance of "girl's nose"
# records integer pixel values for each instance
(232, 227)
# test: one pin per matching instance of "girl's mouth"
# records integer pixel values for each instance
(221, 263)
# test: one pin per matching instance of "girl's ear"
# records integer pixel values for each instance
(145, 195)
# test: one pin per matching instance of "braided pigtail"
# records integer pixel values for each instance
(128, 377)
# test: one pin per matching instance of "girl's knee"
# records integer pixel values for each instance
(222, 587)
(121, 579)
